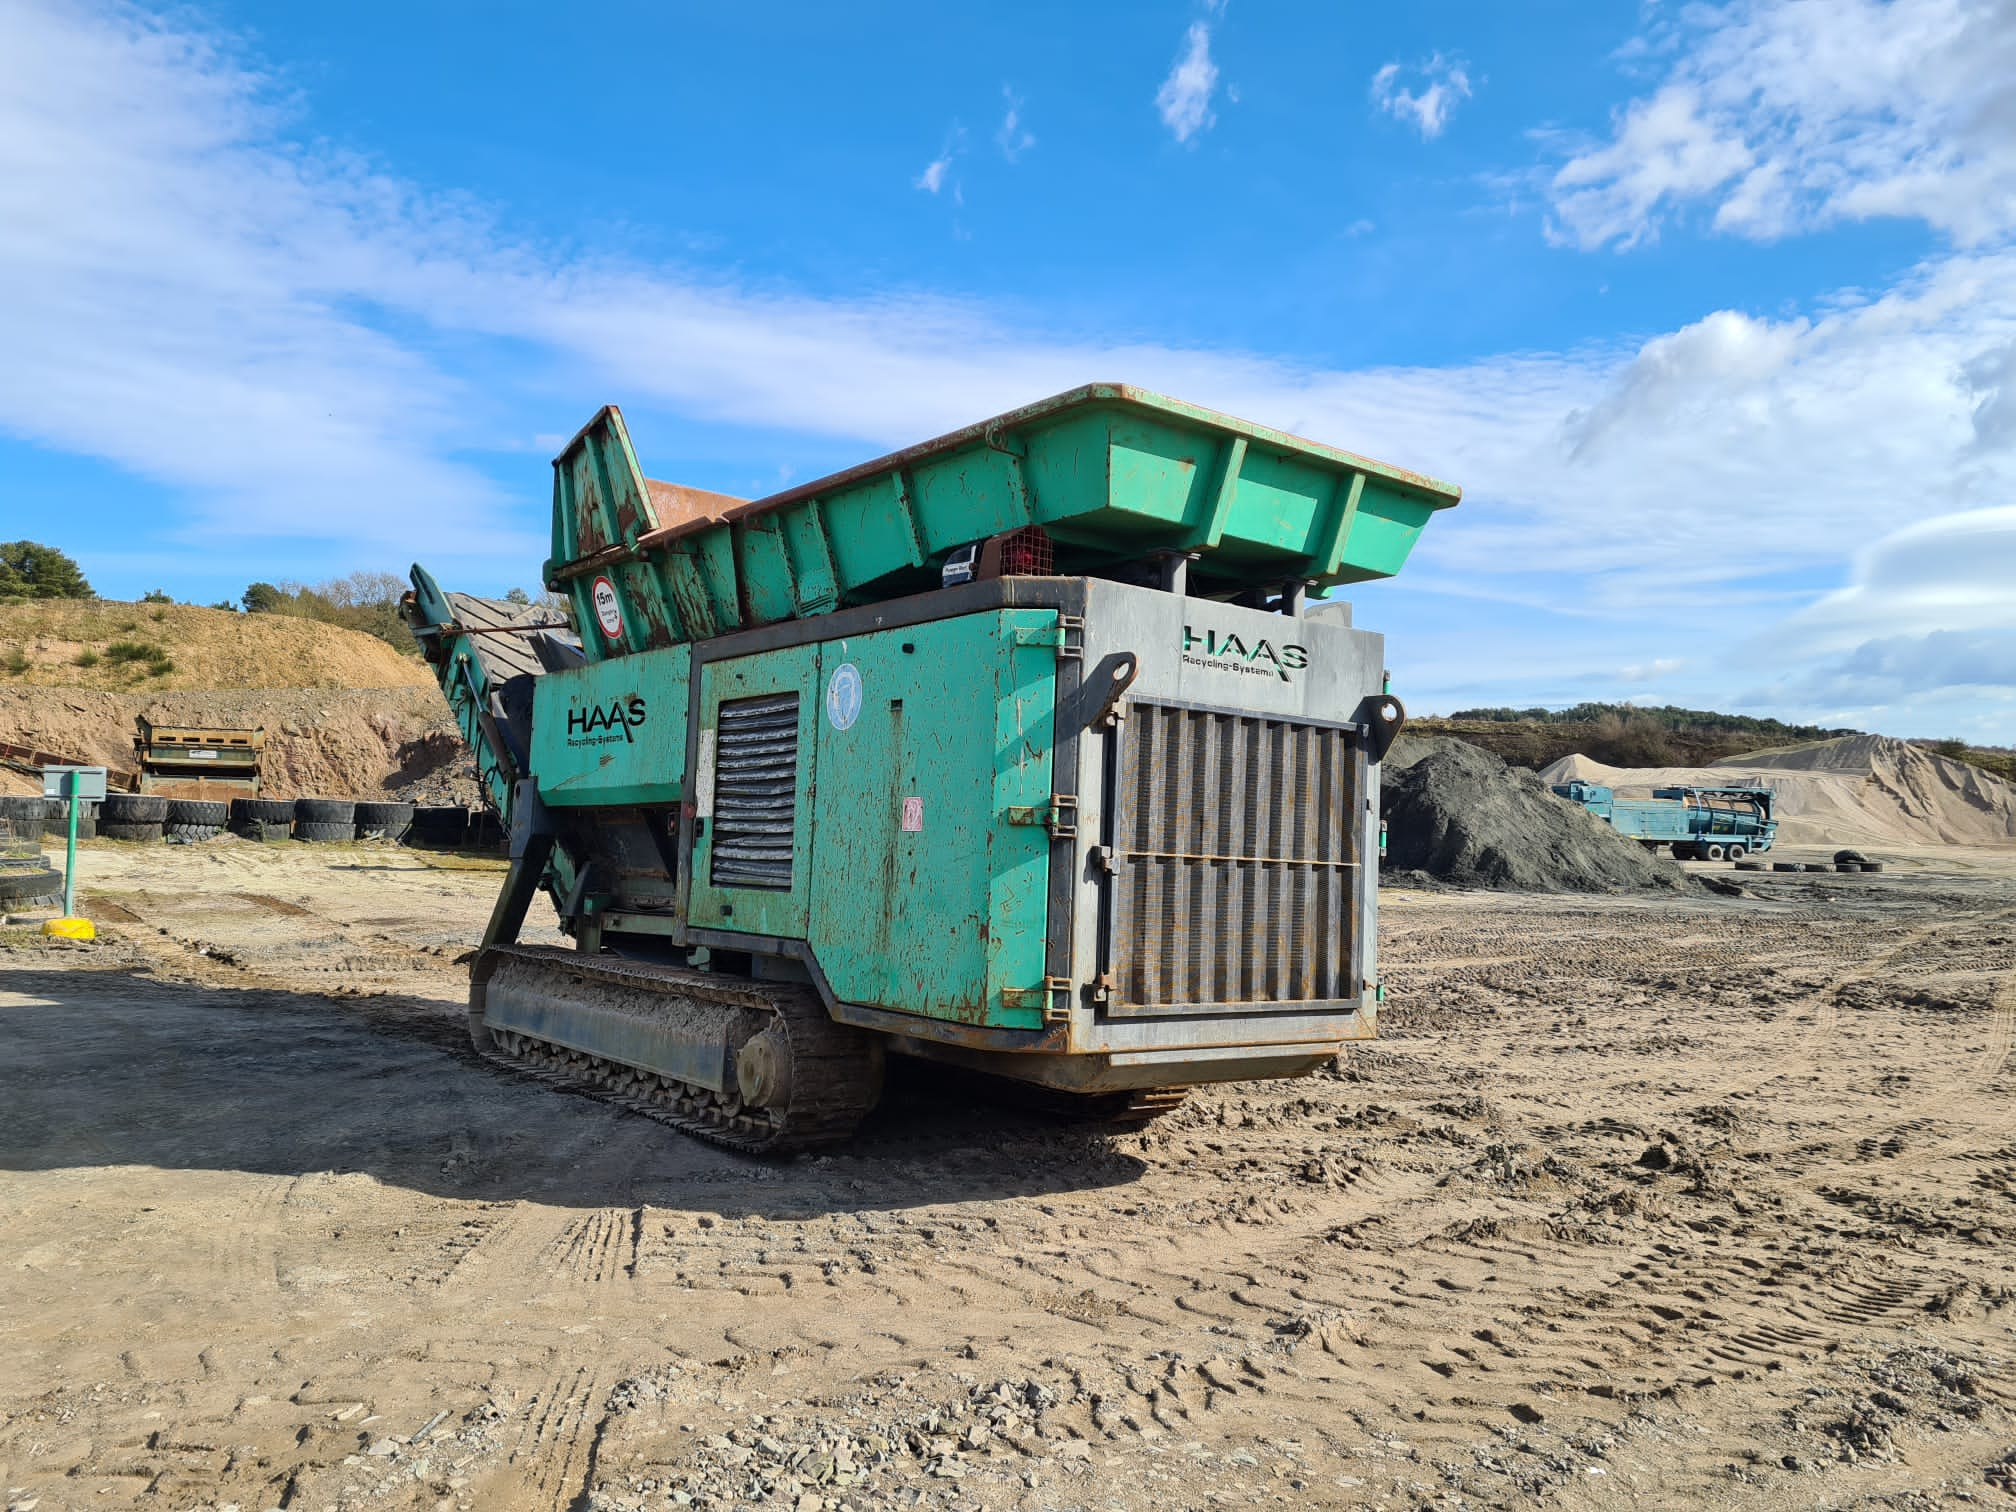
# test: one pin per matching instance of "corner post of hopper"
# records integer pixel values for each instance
(531, 848)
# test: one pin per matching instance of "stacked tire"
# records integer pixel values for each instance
(192, 819)
(322, 820)
(383, 821)
(262, 819)
(132, 816)
(56, 821)
(22, 818)
(28, 883)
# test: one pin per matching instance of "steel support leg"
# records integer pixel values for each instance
(521, 885)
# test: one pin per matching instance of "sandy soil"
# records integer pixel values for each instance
(1640, 1203)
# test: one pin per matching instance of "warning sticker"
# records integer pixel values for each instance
(608, 612)
(843, 696)
(913, 816)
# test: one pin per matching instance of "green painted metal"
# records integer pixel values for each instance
(1113, 473)
(946, 918)
(918, 878)
(612, 732)
(466, 685)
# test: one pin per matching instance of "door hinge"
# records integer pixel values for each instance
(1053, 997)
(1059, 816)
(1066, 637)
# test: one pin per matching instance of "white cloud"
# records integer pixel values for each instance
(1951, 573)
(172, 294)
(1784, 115)
(932, 179)
(1653, 671)
(1446, 81)
(1013, 138)
(1185, 96)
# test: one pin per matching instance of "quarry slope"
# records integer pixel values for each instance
(345, 714)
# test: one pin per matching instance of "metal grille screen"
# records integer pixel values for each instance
(756, 792)
(1238, 848)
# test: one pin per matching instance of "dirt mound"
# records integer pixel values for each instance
(1862, 788)
(335, 742)
(95, 643)
(1459, 814)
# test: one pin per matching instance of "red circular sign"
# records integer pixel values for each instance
(608, 609)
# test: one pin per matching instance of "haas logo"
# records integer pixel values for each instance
(1230, 652)
(625, 714)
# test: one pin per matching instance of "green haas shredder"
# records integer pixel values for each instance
(1018, 751)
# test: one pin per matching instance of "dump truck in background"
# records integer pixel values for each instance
(1012, 751)
(1698, 823)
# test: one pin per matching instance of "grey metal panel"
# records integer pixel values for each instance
(756, 792)
(1237, 852)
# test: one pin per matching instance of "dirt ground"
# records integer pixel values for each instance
(1683, 1201)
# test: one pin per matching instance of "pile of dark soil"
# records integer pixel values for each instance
(1458, 814)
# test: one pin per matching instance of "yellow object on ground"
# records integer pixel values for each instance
(70, 929)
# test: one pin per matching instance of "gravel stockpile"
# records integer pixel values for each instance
(1457, 813)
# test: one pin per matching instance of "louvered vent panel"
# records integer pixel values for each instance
(756, 792)
(1238, 846)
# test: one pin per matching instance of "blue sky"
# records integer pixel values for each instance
(1711, 310)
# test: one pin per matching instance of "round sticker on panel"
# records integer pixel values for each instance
(843, 696)
(608, 612)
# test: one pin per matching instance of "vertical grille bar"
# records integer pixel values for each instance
(1236, 837)
(756, 792)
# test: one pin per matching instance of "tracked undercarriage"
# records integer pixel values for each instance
(776, 1075)
(786, 1077)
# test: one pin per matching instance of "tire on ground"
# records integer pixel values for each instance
(133, 808)
(22, 810)
(56, 821)
(323, 833)
(262, 830)
(1819, 866)
(1749, 866)
(1849, 855)
(341, 811)
(1784, 866)
(113, 829)
(211, 813)
(384, 821)
(262, 810)
(15, 849)
(16, 888)
(1872, 866)
(194, 831)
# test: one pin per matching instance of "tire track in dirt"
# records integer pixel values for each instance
(553, 1453)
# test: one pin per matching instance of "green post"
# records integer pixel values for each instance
(70, 857)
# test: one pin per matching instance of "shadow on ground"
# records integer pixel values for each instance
(117, 1067)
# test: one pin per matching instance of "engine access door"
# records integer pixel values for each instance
(751, 866)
